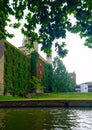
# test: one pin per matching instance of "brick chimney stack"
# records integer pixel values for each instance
(36, 46)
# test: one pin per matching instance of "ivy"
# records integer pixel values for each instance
(20, 73)
(35, 84)
(17, 71)
(34, 61)
(46, 80)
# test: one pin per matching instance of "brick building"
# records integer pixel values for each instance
(73, 76)
(41, 61)
(40, 65)
(84, 87)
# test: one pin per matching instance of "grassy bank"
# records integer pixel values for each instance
(11, 98)
(53, 96)
(64, 96)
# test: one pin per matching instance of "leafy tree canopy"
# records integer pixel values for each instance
(62, 82)
(53, 18)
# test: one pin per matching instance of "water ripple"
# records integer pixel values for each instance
(46, 119)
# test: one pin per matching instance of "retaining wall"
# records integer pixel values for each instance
(46, 103)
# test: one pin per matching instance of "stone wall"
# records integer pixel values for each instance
(1, 67)
(46, 103)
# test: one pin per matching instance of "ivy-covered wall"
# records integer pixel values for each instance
(43, 71)
(34, 62)
(21, 71)
(37, 68)
(24, 74)
(47, 76)
(17, 71)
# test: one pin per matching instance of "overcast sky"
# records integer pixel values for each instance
(79, 58)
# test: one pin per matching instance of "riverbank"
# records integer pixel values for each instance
(45, 103)
(49, 100)
(52, 96)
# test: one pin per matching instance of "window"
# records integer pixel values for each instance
(40, 64)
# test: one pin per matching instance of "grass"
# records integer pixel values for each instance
(11, 98)
(53, 96)
(64, 96)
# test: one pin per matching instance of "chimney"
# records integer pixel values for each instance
(36, 46)
(25, 42)
(49, 59)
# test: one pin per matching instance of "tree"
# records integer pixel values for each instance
(46, 80)
(61, 79)
(53, 18)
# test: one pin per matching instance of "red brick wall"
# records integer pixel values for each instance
(40, 68)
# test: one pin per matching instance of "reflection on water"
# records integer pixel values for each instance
(46, 119)
(2, 116)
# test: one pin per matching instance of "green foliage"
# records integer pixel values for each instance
(35, 84)
(5, 11)
(53, 96)
(60, 49)
(64, 96)
(20, 74)
(15, 25)
(17, 71)
(53, 18)
(34, 61)
(46, 80)
(61, 79)
(56, 78)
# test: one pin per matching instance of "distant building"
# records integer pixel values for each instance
(90, 87)
(77, 88)
(84, 87)
(73, 76)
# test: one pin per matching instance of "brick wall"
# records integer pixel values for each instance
(1, 67)
(40, 69)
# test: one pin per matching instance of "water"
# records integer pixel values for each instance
(46, 119)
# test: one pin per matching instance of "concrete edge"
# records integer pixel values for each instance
(46, 103)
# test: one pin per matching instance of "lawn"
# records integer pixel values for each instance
(53, 96)
(64, 96)
(10, 98)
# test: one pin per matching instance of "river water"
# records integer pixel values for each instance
(46, 119)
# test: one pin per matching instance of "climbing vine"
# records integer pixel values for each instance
(20, 73)
(46, 80)
(34, 61)
(17, 71)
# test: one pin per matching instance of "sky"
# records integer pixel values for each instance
(78, 59)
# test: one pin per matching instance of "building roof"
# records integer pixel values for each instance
(27, 52)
